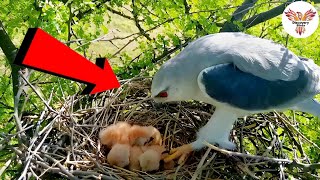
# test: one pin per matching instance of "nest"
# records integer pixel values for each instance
(65, 142)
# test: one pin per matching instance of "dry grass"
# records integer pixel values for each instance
(64, 142)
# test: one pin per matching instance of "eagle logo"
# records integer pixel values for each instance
(301, 20)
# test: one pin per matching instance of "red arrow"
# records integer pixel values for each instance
(43, 52)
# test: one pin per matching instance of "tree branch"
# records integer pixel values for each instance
(186, 7)
(80, 15)
(119, 13)
(135, 16)
(259, 18)
(238, 14)
(10, 51)
(287, 163)
(69, 24)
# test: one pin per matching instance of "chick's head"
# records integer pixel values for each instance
(109, 136)
(150, 160)
(140, 135)
(119, 155)
(115, 133)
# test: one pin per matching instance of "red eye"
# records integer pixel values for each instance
(162, 94)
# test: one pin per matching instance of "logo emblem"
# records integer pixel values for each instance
(300, 19)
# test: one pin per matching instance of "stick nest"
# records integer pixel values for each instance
(64, 143)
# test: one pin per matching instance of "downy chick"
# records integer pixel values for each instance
(140, 135)
(119, 155)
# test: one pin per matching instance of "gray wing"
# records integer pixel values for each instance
(260, 57)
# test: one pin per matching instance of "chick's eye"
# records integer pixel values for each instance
(162, 94)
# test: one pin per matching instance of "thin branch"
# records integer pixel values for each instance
(288, 163)
(238, 14)
(186, 7)
(6, 165)
(10, 51)
(135, 16)
(38, 94)
(119, 13)
(80, 15)
(259, 18)
(69, 24)
(231, 153)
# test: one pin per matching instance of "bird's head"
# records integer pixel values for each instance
(167, 85)
(161, 88)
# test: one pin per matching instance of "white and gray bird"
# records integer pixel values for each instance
(240, 75)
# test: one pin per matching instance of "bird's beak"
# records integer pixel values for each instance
(157, 99)
(159, 104)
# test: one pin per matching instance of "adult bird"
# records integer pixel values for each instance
(240, 75)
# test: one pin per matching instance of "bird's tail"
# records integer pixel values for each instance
(310, 106)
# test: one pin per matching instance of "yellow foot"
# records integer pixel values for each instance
(181, 152)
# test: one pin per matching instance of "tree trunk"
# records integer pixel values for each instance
(10, 51)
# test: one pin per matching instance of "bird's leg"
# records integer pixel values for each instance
(216, 131)
(181, 152)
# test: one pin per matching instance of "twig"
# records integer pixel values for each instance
(297, 131)
(135, 16)
(6, 165)
(263, 158)
(198, 170)
(38, 94)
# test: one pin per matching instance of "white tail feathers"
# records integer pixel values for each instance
(310, 106)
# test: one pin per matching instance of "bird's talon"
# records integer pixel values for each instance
(183, 158)
(181, 152)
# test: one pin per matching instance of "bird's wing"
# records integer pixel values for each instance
(228, 84)
(308, 16)
(292, 16)
(260, 57)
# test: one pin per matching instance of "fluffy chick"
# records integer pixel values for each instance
(115, 134)
(140, 135)
(119, 155)
(135, 153)
(123, 129)
(150, 159)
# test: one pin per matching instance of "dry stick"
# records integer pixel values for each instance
(29, 158)
(107, 105)
(33, 173)
(199, 169)
(297, 131)
(95, 163)
(16, 112)
(209, 160)
(243, 167)
(71, 176)
(136, 106)
(230, 153)
(87, 173)
(36, 134)
(290, 163)
(38, 94)
(6, 165)
(148, 98)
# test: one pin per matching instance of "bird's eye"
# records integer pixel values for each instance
(162, 94)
